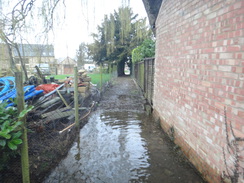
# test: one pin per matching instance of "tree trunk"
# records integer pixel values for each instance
(12, 63)
(22, 62)
(11, 45)
(24, 146)
(121, 68)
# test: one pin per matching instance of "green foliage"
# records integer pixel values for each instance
(64, 76)
(145, 50)
(117, 36)
(82, 54)
(96, 78)
(10, 132)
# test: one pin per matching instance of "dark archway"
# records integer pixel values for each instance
(124, 68)
(121, 68)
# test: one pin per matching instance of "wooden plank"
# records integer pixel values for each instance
(64, 101)
(54, 112)
(39, 73)
(60, 115)
(82, 89)
(50, 102)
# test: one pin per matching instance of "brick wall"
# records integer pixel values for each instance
(199, 71)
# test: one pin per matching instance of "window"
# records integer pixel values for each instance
(25, 60)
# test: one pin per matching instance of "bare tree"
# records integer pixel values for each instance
(14, 23)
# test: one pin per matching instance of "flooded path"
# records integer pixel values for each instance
(121, 144)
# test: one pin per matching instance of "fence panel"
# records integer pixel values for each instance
(144, 76)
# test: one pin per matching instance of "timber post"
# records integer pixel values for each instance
(101, 76)
(24, 147)
(76, 97)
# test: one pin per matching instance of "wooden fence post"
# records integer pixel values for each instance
(101, 77)
(76, 97)
(24, 147)
(110, 69)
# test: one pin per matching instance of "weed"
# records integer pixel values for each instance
(232, 172)
(172, 133)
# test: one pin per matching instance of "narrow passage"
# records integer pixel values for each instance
(121, 144)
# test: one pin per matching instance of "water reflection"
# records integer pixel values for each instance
(110, 149)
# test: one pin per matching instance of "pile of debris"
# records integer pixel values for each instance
(8, 91)
(52, 118)
(58, 105)
(53, 101)
(84, 82)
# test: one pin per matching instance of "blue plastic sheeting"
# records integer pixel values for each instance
(29, 96)
(8, 90)
(8, 84)
(12, 94)
(29, 92)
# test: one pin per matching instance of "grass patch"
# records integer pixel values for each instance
(95, 77)
(59, 76)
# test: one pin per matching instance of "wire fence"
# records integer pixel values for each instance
(52, 126)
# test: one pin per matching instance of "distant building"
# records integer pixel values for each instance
(4, 58)
(35, 54)
(89, 67)
(66, 66)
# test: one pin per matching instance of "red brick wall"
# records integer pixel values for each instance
(199, 71)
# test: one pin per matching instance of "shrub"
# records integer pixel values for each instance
(10, 132)
(145, 50)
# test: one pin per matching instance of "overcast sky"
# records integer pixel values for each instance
(82, 18)
(74, 21)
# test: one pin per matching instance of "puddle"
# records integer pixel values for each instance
(121, 144)
(121, 147)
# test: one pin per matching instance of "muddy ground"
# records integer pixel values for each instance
(47, 147)
(121, 143)
(167, 161)
(124, 95)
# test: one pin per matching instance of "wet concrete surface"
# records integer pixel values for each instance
(122, 144)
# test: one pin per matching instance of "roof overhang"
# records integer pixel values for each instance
(152, 8)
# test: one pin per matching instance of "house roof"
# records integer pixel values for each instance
(67, 60)
(152, 8)
(35, 50)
